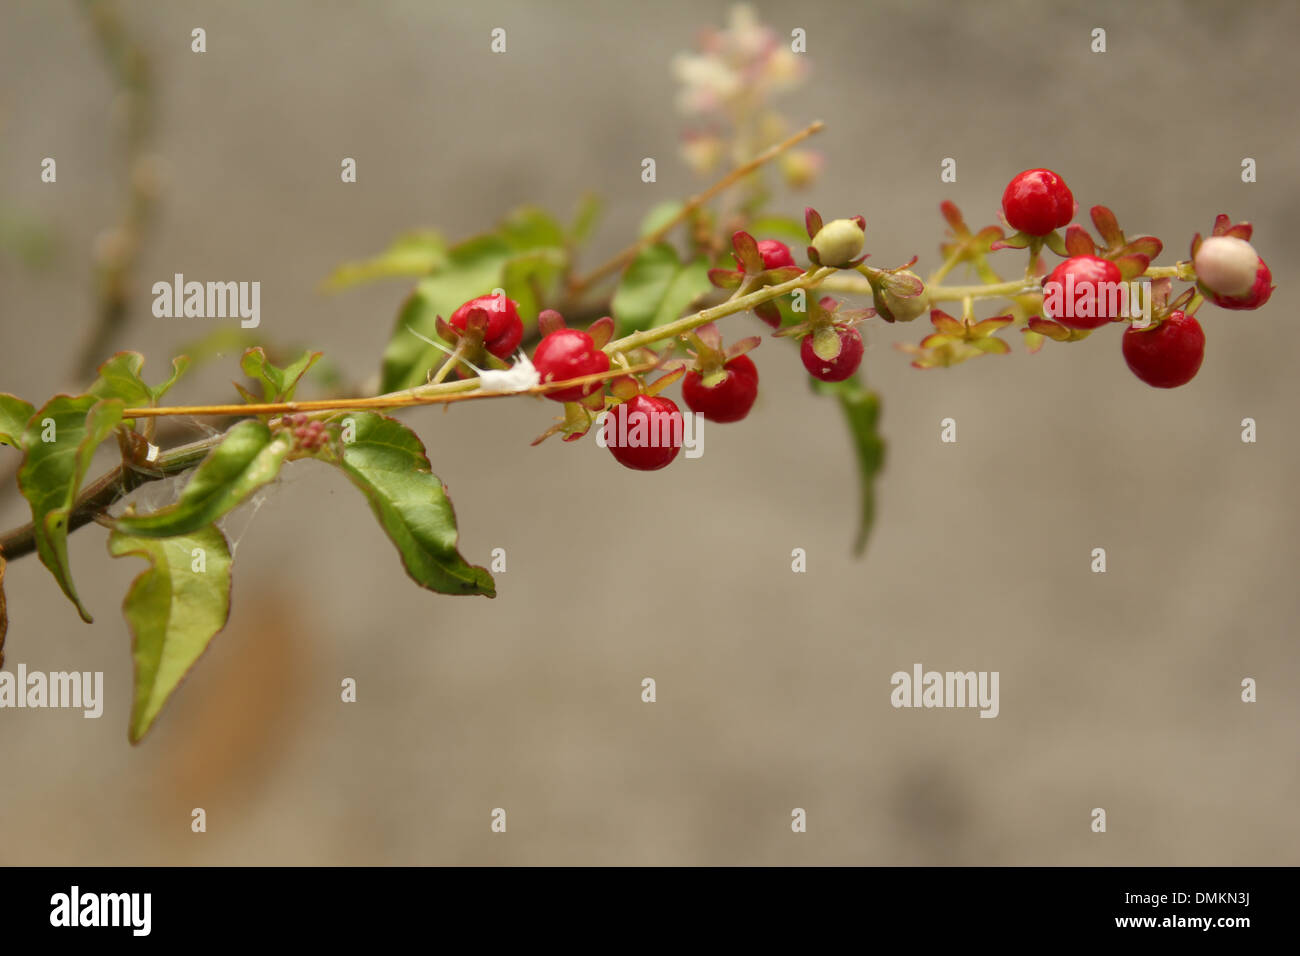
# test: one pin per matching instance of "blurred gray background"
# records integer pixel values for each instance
(1118, 690)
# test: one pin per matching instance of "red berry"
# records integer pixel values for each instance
(1082, 292)
(1037, 202)
(832, 354)
(775, 254)
(1167, 355)
(728, 400)
(569, 353)
(645, 432)
(505, 330)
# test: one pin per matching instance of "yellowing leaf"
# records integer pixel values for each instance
(174, 609)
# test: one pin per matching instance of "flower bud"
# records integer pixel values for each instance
(904, 308)
(1231, 274)
(839, 242)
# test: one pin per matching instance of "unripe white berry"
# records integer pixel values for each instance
(839, 242)
(1227, 265)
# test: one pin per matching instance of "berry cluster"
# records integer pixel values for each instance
(1090, 288)
(1096, 284)
(309, 434)
(1167, 348)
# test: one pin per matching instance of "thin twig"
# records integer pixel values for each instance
(98, 496)
(117, 259)
(740, 172)
(442, 393)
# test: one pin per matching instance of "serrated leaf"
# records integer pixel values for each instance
(411, 254)
(180, 365)
(473, 268)
(173, 611)
(659, 216)
(861, 409)
(387, 462)
(52, 472)
(14, 415)
(278, 384)
(249, 457)
(119, 377)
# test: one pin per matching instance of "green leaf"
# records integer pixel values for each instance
(14, 415)
(529, 228)
(52, 472)
(529, 278)
(278, 384)
(226, 339)
(687, 286)
(119, 377)
(657, 288)
(174, 609)
(659, 216)
(412, 254)
(642, 289)
(387, 462)
(784, 228)
(248, 457)
(180, 364)
(473, 268)
(861, 408)
(584, 220)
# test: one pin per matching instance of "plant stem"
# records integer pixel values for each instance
(740, 304)
(955, 293)
(104, 491)
(444, 392)
(940, 293)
